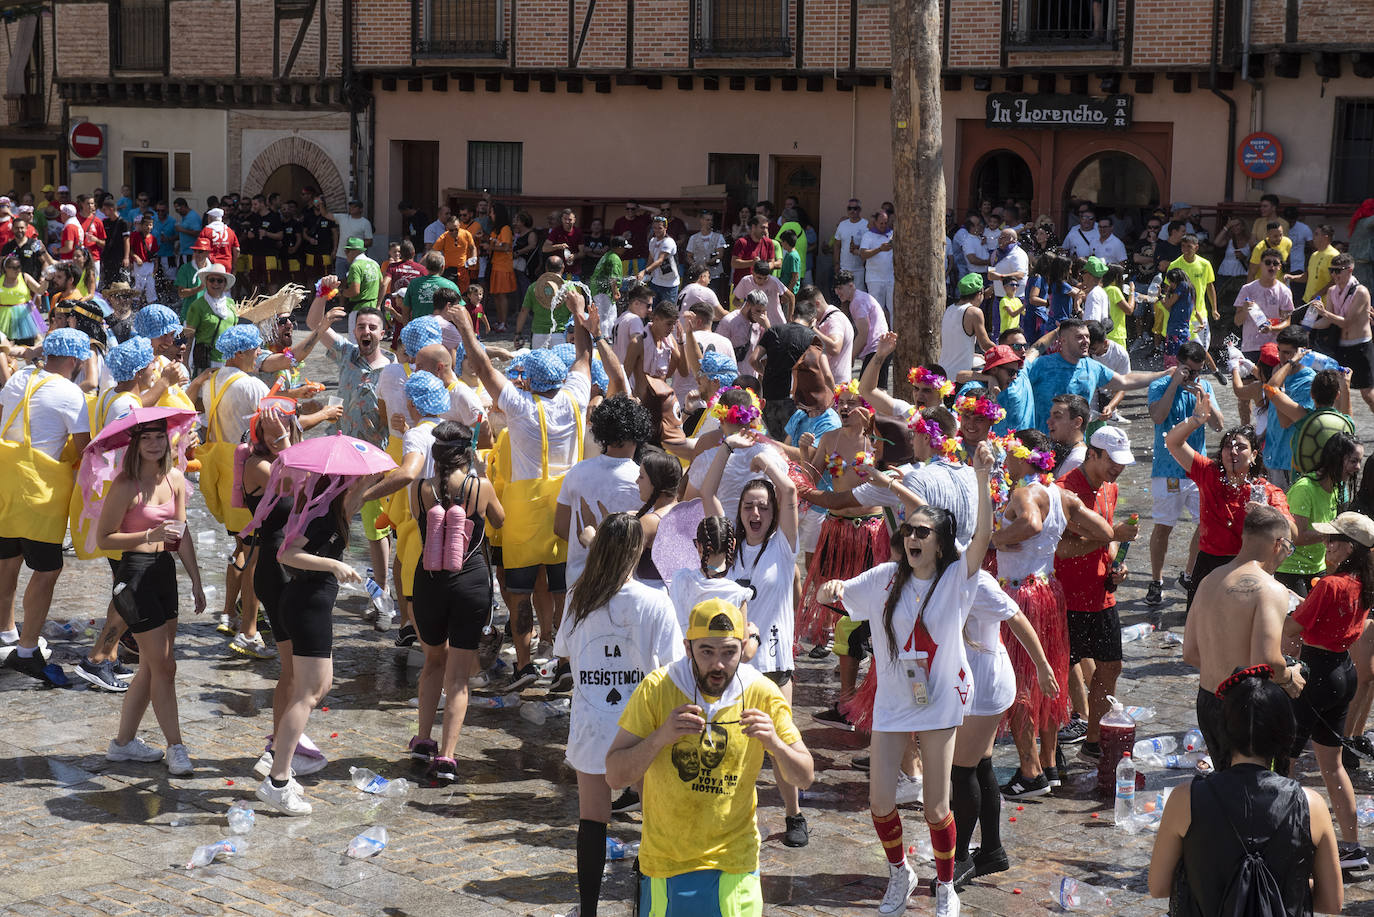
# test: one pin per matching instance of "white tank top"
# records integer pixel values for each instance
(1036, 555)
(956, 344)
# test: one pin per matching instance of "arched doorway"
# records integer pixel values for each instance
(300, 153)
(1002, 176)
(288, 180)
(1116, 183)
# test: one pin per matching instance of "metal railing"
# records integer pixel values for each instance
(138, 36)
(459, 28)
(1056, 24)
(742, 28)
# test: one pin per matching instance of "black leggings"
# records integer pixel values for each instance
(307, 614)
(268, 582)
(1320, 709)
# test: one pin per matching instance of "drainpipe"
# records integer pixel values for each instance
(1230, 102)
(1245, 41)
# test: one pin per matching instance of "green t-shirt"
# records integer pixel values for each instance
(364, 272)
(607, 275)
(420, 293)
(544, 321)
(1200, 275)
(209, 326)
(186, 277)
(801, 239)
(1308, 498)
(791, 270)
(1116, 309)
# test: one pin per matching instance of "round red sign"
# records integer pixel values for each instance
(87, 140)
(1260, 155)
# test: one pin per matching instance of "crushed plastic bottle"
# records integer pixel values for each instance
(1080, 896)
(67, 630)
(1141, 715)
(1159, 745)
(1173, 637)
(619, 850)
(1193, 741)
(1184, 762)
(920, 850)
(1364, 811)
(205, 855)
(538, 712)
(241, 818)
(374, 783)
(495, 703)
(369, 843)
(1136, 632)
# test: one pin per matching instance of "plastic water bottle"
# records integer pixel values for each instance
(241, 818)
(1159, 745)
(1152, 293)
(1184, 762)
(534, 713)
(374, 783)
(66, 630)
(1141, 715)
(1193, 741)
(1136, 632)
(619, 850)
(1364, 811)
(381, 601)
(205, 855)
(1080, 896)
(1318, 361)
(370, 843)
(1125, 790)
(495, 703)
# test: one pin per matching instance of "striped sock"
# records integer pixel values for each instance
(889, 828)
(942, 840)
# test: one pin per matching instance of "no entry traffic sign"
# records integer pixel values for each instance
(87, 140)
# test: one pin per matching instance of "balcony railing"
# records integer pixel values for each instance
(742, 28)
(138, 35)
(459, 28)
(1046, 25)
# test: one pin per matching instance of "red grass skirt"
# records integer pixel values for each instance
(1042, 602)
(845, 548)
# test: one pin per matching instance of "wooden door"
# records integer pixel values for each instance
(799, 177)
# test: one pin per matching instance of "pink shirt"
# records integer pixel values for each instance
(1276, 302)
(865, 308)
(741, 332)
(772, 288)
(836, 324)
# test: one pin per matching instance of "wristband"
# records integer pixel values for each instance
(597, 340)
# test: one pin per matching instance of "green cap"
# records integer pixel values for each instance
(970, 284)
(1095, 266)
(354, 244)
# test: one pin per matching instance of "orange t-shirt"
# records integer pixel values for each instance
(456, 249)
(503, 260)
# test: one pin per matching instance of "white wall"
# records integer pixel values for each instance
(201, 132)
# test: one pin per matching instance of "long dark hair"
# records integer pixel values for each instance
(613, 556)
(767, 486)
(664, 473)
(942, 521)
(1364, 496)
(336, 507)
(1251, 437)
(1258, 721)
(1360, 564)
(452, 451)
(715, 536)
(1057, 270)
(1331, 465)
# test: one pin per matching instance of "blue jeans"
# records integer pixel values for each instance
(661, 293)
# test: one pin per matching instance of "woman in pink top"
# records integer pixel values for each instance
(144, 516)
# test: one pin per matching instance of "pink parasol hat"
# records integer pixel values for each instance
(297, 469)
(116, 433)
(673, 549)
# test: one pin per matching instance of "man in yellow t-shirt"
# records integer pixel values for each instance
(1203, 279)
(695, 732)
(1318, 273)
(1274, 240)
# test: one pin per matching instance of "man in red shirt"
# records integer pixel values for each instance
(71, 233)
(756, 246)
(634, 225)
(93, 231)
(1083, 569)
(565, 240)
(221, 242)
(142, 257)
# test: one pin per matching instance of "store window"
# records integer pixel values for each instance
(1352, 151)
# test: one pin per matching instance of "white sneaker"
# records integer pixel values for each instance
(908, 789)
(179, 761)
(264, 765)
(135, 750)
(901, 883)
(289, 800)
(254, 647)
(946, 900)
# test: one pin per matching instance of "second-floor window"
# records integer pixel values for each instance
(460, 28)
(1046, 24)
(138, 35)
(743, 28)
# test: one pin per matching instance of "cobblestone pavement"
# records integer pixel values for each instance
(85, 837)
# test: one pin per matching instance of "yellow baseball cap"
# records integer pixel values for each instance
(715, 618)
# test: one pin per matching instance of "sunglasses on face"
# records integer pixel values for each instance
(1273, 264)
(1019, 348)
(853, 208)
(917, 531)
(215, 280)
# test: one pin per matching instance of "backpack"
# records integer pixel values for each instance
(1253, 891)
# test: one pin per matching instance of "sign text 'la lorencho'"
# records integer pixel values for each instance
(1013, 110)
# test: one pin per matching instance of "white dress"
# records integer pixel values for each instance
(994, 682)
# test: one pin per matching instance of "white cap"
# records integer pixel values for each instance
(1115, 443)
(214, 213)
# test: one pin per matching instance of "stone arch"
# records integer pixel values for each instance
(298, 151)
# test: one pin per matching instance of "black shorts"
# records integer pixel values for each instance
(1320, 709)
(268, 582)
(497, 560)
(1359, 359)
(1297, 583)
(779, 678)
(452, 607)
(1212, 724)
(149, 597)
(39, 556)
(521, 580)
(307, 614)
(1094, 635)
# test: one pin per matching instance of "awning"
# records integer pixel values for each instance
(20, 52)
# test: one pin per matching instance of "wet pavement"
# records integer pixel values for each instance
(86, 837)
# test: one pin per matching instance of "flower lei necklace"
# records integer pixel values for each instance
(981, 407)
(747, 415)
(919, 375)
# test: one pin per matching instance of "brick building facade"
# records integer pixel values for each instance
(31, 116)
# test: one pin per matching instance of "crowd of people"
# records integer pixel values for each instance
(694, 471)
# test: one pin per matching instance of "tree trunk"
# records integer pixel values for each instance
(918, 181)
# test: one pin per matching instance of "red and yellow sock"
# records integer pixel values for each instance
(889, 828)
(942, 841)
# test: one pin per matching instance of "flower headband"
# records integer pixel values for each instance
(981, 407)
(1038, 458)
(747, 415)
(921, 376)
(940, 444)
(852, 388)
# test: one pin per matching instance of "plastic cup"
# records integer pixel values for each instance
(334, 401)
(175, 528)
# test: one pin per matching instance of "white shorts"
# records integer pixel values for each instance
(1204, 336)
(1171, 496)
(809, 530)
